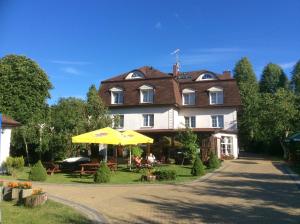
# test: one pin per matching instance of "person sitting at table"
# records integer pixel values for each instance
(151, 158)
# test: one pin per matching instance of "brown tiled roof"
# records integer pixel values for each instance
(168, 89)
(9, 122)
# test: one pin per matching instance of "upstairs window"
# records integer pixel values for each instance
(206, 76)
(188, 97)
(117, 96)
(216, 95)
(135, 75)
(146, 94)
(118, 121)
(217, 121)
(190, 122)
(148, 120)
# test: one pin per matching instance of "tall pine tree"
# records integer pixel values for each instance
(295, 82)
(272, 79)
(248, 116)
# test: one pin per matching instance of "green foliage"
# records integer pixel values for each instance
(272, 79)
(295, 82)
(198, 168)
(38, 172)
(278, 115)
(97, 113)
(136, 151)
(189, 142)
(24, 87)
(213, 161)
(13, 164)
(248, 119)
(166, 174)
(103, 174)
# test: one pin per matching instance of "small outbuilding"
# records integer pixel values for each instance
(6, 125)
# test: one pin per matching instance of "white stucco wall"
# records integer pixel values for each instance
(4, 144)
(203, 117)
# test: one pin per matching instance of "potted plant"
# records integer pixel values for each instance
(148, 174)
(37, 198)
(15, 190)
(26, 189)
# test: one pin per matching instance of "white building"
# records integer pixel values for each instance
(157, 103)
(5, 134)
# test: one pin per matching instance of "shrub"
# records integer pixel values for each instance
(198, 168)
(166, 174)
(12, 164)
(38, 172)
(213, 161)
(136, 151)
(103, 174)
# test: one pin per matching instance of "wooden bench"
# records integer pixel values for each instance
(51, 168)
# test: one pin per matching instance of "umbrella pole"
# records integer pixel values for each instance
(130, 158)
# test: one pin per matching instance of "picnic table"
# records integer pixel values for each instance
(91, 168)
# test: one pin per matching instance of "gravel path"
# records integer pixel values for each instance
(247, 190)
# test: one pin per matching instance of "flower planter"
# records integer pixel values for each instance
(149, 178)
(35, 200)
(26, 193)
(7, 193)
(16, 194)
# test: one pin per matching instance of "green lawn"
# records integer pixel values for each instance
(49, 213)
(121, 176)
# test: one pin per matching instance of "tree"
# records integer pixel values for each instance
(68, 118)
(97, 113)
(189, 141)
(295, 82)
(249, 91)
(272, 78)
(278, 115)
(24, 87)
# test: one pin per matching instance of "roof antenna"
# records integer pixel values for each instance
(176, 66)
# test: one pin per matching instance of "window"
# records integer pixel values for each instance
(190, 122)
(216, 97)
(206, 76)
(118, 121)
(147, 96)
(226, 145)
(188, 97)
(135, 75)
(148, 120)
(217, 121)
(117, 95)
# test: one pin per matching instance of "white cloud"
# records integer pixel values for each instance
(288, 65)
(158, 25)
(71, 70)
(62, 62)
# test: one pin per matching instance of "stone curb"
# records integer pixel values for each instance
(90, 213)
(294, 176)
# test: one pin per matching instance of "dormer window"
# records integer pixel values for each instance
(117, 95)
(206, 76)
(135, 75)
(188, 97)
(216, 95)
(146, 94)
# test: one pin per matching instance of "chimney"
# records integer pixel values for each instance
(226, 74)
(175, 69)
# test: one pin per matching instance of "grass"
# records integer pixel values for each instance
(121, 176)
(49, 213)
(296, 168)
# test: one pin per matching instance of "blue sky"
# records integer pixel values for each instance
(79, 43)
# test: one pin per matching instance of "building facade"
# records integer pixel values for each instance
(156, 103)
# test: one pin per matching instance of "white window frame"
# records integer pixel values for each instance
(117, 91)
(203, 77)
(148, 123)
(120, 124)
(135, 75)
(147, 95)
(226, 145)
(218, 117)
(188, 121)
(190, 95)
(216, 97)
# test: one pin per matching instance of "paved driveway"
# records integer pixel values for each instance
(248, 190)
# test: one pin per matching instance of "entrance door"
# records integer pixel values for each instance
(226, 145)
